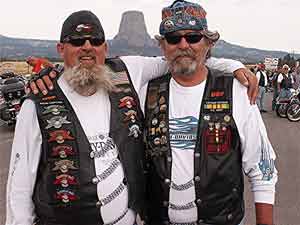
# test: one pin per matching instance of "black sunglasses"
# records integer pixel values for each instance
(190, 38)
(77, 42)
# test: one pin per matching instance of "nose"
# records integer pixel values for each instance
(183, 44)
(87, 45)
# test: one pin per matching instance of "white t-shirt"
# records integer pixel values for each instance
(184, 111)
(93, 113)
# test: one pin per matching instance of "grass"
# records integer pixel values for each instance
(17, 67)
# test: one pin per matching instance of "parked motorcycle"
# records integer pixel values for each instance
(12, 90)
(293, 109)
(282, 104)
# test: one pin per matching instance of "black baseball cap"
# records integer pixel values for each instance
(83, 23)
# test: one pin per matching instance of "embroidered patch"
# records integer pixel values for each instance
(60, 136)
(217, 106)
(217, 138)
(63, 151)
(64, 166)
(216, 94)
(127, 102)
(49, 98)
(57, 122)
(54, 109)
(65, 180)
(65, 196)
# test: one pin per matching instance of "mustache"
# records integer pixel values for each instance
(183, 53)
(83, 79)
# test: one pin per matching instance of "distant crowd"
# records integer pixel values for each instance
(282, 81)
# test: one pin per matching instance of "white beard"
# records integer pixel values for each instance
(86, 81)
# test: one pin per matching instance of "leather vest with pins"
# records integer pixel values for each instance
(66, 188)
(218, 177)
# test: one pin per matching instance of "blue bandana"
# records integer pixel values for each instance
(182, 15)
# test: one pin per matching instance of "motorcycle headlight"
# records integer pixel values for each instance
(10, 95)
(19, 93)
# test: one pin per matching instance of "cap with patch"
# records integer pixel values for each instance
(82, 23)
(184, 15)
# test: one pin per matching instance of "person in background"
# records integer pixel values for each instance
(296, 77)
(262, 87)
(284, 83)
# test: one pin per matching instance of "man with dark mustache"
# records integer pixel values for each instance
(202, 133)
(78, 152)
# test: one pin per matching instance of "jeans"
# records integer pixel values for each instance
(260, 100)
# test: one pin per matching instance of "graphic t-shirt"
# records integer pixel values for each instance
(185, 103)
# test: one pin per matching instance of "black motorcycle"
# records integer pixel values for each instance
(12, 90)
(293, 109)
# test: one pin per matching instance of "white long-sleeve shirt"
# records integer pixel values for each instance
(26, 148)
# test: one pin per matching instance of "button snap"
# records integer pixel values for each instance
(95, 180)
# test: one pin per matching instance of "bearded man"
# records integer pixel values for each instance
(77, 155)
(77, 152)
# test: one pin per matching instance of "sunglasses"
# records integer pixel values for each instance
(190, 38)
(77, 42)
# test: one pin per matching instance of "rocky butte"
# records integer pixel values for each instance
(132, 39)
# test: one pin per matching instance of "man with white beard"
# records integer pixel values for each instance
(77, 155)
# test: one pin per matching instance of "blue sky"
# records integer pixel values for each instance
(264, 24)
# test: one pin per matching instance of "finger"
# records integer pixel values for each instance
(52, 74)
(48, 82)
(33, 87)
(42, 87)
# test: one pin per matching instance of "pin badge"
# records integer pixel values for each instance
(156, 141)
(227, 118)
(192, 22)
(217, 126)
(154, 121)
(168, 24)
(163, 108)
(134, 131)
(211, 126)
(162, 100)
(206, 117)
(163, 140)
(162, 124)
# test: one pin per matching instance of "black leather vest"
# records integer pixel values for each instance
(261, 80)
(218, 176)
(286, 83)
(66, 187)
